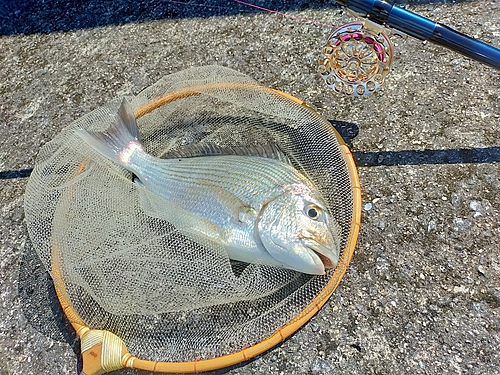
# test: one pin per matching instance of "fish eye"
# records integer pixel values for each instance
(313, 212)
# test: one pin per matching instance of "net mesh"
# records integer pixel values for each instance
(169, 297)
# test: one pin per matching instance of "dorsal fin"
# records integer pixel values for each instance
(270, 151)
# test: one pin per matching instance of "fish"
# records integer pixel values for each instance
(260, 209)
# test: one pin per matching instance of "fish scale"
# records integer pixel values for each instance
(248, 176)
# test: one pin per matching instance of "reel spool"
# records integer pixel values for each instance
(356, 59)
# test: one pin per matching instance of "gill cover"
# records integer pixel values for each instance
(294, 229)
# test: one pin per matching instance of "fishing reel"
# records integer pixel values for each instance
(356, 58)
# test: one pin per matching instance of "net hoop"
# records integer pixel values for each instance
(101, 355)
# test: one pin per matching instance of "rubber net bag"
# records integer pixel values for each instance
(131, 281)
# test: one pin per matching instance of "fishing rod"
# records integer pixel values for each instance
(385, 13)
(357, 56)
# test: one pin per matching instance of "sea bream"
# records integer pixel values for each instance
(260, 209)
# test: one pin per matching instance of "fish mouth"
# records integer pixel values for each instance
(328, 257)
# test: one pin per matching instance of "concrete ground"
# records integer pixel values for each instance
(422, 295)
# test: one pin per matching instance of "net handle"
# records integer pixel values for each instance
(103, 351)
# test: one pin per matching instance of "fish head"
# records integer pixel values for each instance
(297, 230)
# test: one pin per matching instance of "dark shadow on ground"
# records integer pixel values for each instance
(349, 131)
(418, 157)
(386, 158)
(19, 173)
(45, 16)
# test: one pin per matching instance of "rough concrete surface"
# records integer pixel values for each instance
(422, 294)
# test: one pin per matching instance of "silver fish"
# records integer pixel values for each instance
(260, 209)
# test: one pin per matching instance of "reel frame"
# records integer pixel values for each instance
(356, 58)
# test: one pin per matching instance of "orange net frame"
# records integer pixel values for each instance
(103, 351)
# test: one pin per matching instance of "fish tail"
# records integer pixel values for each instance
(119, 140)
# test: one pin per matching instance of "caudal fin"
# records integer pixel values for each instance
(117, 137)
